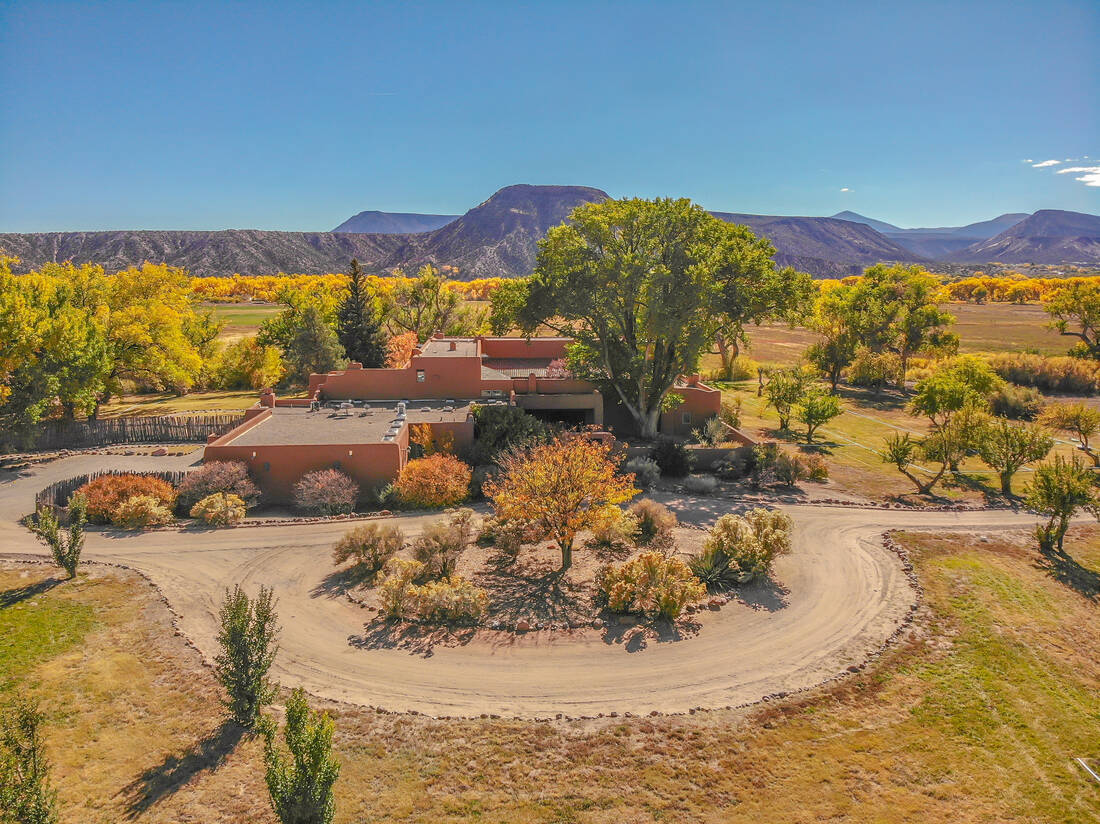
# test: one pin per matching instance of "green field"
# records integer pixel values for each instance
(242, 319)
(976, 717)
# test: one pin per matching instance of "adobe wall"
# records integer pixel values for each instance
(552, 348)
(444, 377)
(701, 402)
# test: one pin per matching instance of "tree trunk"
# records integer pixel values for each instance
(649, 422)
(1006, 484)
(566, 555)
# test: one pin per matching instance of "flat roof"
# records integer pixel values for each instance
(441, 348)
(360, 425)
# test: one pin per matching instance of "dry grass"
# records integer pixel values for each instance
(975, 718)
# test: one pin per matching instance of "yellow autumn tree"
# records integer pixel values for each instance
(561, 488)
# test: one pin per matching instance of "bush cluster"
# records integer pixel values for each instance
(646, 472)
(1075, 376)
(615, 528)
(106, 493)
(229, 477)
(655, 524)
(672, 457)
(507, 535)
(369, 546)
(327, 491)
(651, 584)
(700, 484)
(219, 509)
(451, 599)
(739, 548)
(141, 512)
(439, 546)
(434, 482)
(1020, 403)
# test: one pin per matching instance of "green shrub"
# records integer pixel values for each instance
(1019, 403)
(789, 469)
(874, 369)
(65, 546)
(141, 512)
(672, 457)
(816, 468)
(651, 584)
(369, 546)
(712, 433)
(646, 472)
(300, 781)
(441, 543)
(1060, 373)
(498, 428)
(700, 484)
(765, 460)
(731, 412)
(655, 523)
(247, 635)
(219, 509)
(452, 599)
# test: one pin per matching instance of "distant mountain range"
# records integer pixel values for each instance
(498, 238)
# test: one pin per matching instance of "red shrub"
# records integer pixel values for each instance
(436, 481)
(107, 492)
(328, 491)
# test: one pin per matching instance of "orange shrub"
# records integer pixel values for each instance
(107, 492)
(435, 481)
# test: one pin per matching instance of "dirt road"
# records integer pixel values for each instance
(840, 595)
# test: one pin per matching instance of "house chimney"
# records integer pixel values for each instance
(694, 380)
(454, 346)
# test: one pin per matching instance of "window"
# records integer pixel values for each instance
(420, 376)
(267, 466)
(685, 419)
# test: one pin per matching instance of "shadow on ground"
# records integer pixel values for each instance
(11, 597)
(416, 639)
(161, 781)
(634, 634)
(1064, 569)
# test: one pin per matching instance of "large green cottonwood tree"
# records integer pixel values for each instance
(645, 287)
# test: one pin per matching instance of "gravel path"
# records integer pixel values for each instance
(837, 598)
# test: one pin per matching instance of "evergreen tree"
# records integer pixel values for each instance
(357, 324)
(301, 784)
(249, 629)
(25, 793)
(314, 347)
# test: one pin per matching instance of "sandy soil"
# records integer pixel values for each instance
(835, 599)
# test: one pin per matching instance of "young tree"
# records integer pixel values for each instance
(357, 325)
(964, 381)
(249, 629)
(562, 487)
(426, 304)
(1058, 490)
(1005, 447)
(314, 347)
(65, 546)
(25, 793)
(1075, 311)
(784, 390)
(300, 784)
(839, 341)
(816, 408)
(1080, 420)
(644, 287)
(942, 447)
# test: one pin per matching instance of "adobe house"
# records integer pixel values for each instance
(358, 420)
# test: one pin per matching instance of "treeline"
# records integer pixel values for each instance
(269, 288)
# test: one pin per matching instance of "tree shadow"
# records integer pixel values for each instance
(10, 597)
(529, 590)
(818, 447)
(340, 582)
(762, 593)
(890, 399)
(414, 638)
(635, 633)
(161, 781)
(1066, 570)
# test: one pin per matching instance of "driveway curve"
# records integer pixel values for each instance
(845, 595)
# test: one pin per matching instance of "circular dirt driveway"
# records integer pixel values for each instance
(840, 595)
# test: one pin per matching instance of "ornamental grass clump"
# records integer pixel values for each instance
(652, 584)
(369, 547)
(655, 524)
(220, 509)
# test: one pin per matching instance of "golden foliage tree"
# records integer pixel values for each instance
(561, 487)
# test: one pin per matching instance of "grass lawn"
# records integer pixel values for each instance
(242, 319)
(976, 717)
(167, 403)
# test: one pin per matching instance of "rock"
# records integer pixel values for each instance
(523, 626)
(159, 453)
(853, 668)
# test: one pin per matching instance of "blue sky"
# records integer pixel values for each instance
(295, 116)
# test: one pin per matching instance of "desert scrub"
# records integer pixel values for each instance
(107, 492)
(739, 548)
(614, 528)
(700, 484)
(655, 524)
(397, 591)
(369, 547)
(651, 584)
(645, 470)
(220, 509)
(441, 543)
(451, 600)
(434, 482)
(229, 477)
(141, 512)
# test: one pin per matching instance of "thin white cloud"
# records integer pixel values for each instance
(1045, 163)
(1027, 160)
(1090, 175)
(845, 189)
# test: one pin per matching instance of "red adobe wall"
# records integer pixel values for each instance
(444, 377)
(277, 467)
(696, 399)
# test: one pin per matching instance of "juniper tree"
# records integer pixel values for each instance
(301, 785)
(25, 793)
(249, 629)
(357, 324)
(65, 545)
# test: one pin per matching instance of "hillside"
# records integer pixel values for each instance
(940, 242)
(393, 223)
(822, 246)
(1048, 236)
